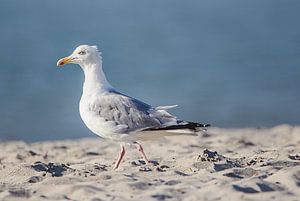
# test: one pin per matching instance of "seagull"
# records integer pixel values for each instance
(113, 115)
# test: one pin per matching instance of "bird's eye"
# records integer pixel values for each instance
(82, 52)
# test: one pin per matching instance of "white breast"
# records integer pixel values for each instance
(95, 123)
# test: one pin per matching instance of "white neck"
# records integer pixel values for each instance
(94, 78)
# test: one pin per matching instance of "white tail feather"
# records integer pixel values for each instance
(166, 107)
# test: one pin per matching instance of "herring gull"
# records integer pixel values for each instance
(114, 115)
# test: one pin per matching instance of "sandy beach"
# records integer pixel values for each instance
(228, 164)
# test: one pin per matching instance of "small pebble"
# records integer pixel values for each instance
(145, 169)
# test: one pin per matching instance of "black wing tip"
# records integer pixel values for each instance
(190, 125)
(198, 124)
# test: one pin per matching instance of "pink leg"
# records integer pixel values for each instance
(141, 150)
(121, 155)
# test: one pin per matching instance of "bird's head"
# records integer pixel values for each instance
(82, 55)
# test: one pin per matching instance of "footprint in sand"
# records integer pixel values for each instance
(140, 185)
(19, 192)
(263, 186)
(297, 178)
(241, 173)
(244, 189)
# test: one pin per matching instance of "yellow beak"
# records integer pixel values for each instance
(64, 61)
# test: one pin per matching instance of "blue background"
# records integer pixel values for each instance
(229, 63)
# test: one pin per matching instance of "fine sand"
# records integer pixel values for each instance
(228, 164)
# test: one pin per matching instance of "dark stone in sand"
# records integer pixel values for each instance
(211, 156)
(142, 162)
(100, 167)
(161, 197)
(180, 173)
(145, 169)
(254, 161)
(294, 157)
(32, 153)
(138, 163)
(158, 181)
(40, 167)
(55, 169)
(159, 169)
(172, 182)
(155, 163)
(35, 179)
(91, 153)
(244, 189)
(162, 168)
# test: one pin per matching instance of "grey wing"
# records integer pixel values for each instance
(125, 113)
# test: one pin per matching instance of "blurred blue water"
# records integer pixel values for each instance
(229, 63)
